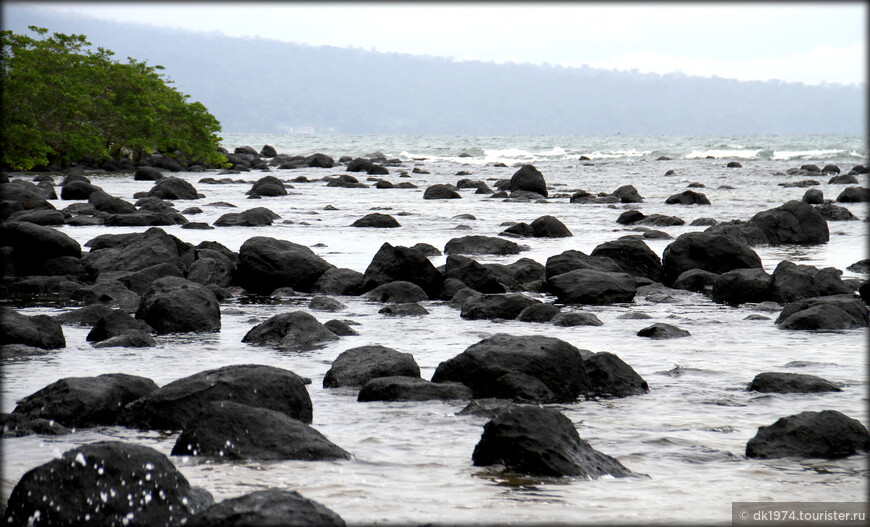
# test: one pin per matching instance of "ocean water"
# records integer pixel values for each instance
(412, 461)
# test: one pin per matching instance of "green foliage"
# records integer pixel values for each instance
(63, 101)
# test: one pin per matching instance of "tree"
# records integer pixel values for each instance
(64, 102)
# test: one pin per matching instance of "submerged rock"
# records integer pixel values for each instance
(825, 313)
(294, 331)
(777, 382)
(541, 442)
(481, 245)
(266, 507)
(402, 388)
(230, 430)
(826, 434)
(660, 331)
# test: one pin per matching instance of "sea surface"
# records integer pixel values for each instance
(412, 461)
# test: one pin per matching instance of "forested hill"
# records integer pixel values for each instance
(257, 85)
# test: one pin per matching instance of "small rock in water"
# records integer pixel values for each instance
(660, 330)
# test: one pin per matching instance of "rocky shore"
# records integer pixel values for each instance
(131, 288)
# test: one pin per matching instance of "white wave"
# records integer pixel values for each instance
(742, 154)
(796, 154)
(616, 154)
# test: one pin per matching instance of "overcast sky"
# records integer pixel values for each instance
(795, 42)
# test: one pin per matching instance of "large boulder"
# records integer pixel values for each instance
(572, 260)
(319, 160)
(266, 264)
(826, 434)
(530, 179)
(272, 507)
(520, 368)
(230, 430)
(740, 286)
(472, 273)
(609, 376)
(402, 388)
(339, 281)
(792, 222)
(398, 292)
(477, 244)
(793, 282)
(441, 191)
(256, 217)
(74, 190)
(538, 441)
(854, 195)
(405, 264)
(33, 245)
(115, 323)
(549, 227)
(85, 401)
(376, 220)
(105, 483)
(825, 313)
(173, 188)
(104, 202)
(779, 382)
(715, 253)
(38, 331)
(662, 331)
(133, 252)
(628, 194)
(294, 331)
(21, 195)
(267, 186)
(177, 305)
(688, 197)
(174, 405)
(633, 256)
(588, 286)
(357, 366)
(506, 306)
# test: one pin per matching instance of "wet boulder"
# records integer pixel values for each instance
(405, 264)
(266, 507)
(549, 227)
(827, 434)
(793, 282)
(520, 368)
(229, 430)
(696, 280)
(133, 252)
(318, 160)
(38, 331)
(740, 286)
(688, 197)
(792, 222)
(357, 366)
(661, 220)
(496, 306)
(147, 174)
(339, 281)
(476, 244)
(539, 441)
(39, 217)
(572, 260)
(173, 188)
(715, 253)
(441, 191)
(633, 256)
(825, 313)
(662, 331)
(33, 245)
(16, 425)
(133, 338)
(472, 274)
(628, 194)
(267, 186)
(294, 331)
(376, 220)
(75, 190)
(115, 323)
(174, 405)
(207, 270)
(843, 179)
(85, 401)
(266, 264)
(813, 196)
(529, 179)
(398, 292)
(105, 483)
(606, 375)
(177, 305)
(778, 382)
(540, 312)
(84, 316)
(325, 303)
(256, 217)
(588, 286)
(832, 212)
(404, 309)
(576, 318)
(340, 328)
(402, 388)
(630, 216)
(854, 195)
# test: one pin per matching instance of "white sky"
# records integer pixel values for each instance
(793, 42)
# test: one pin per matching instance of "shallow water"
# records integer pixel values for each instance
(412, 461)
